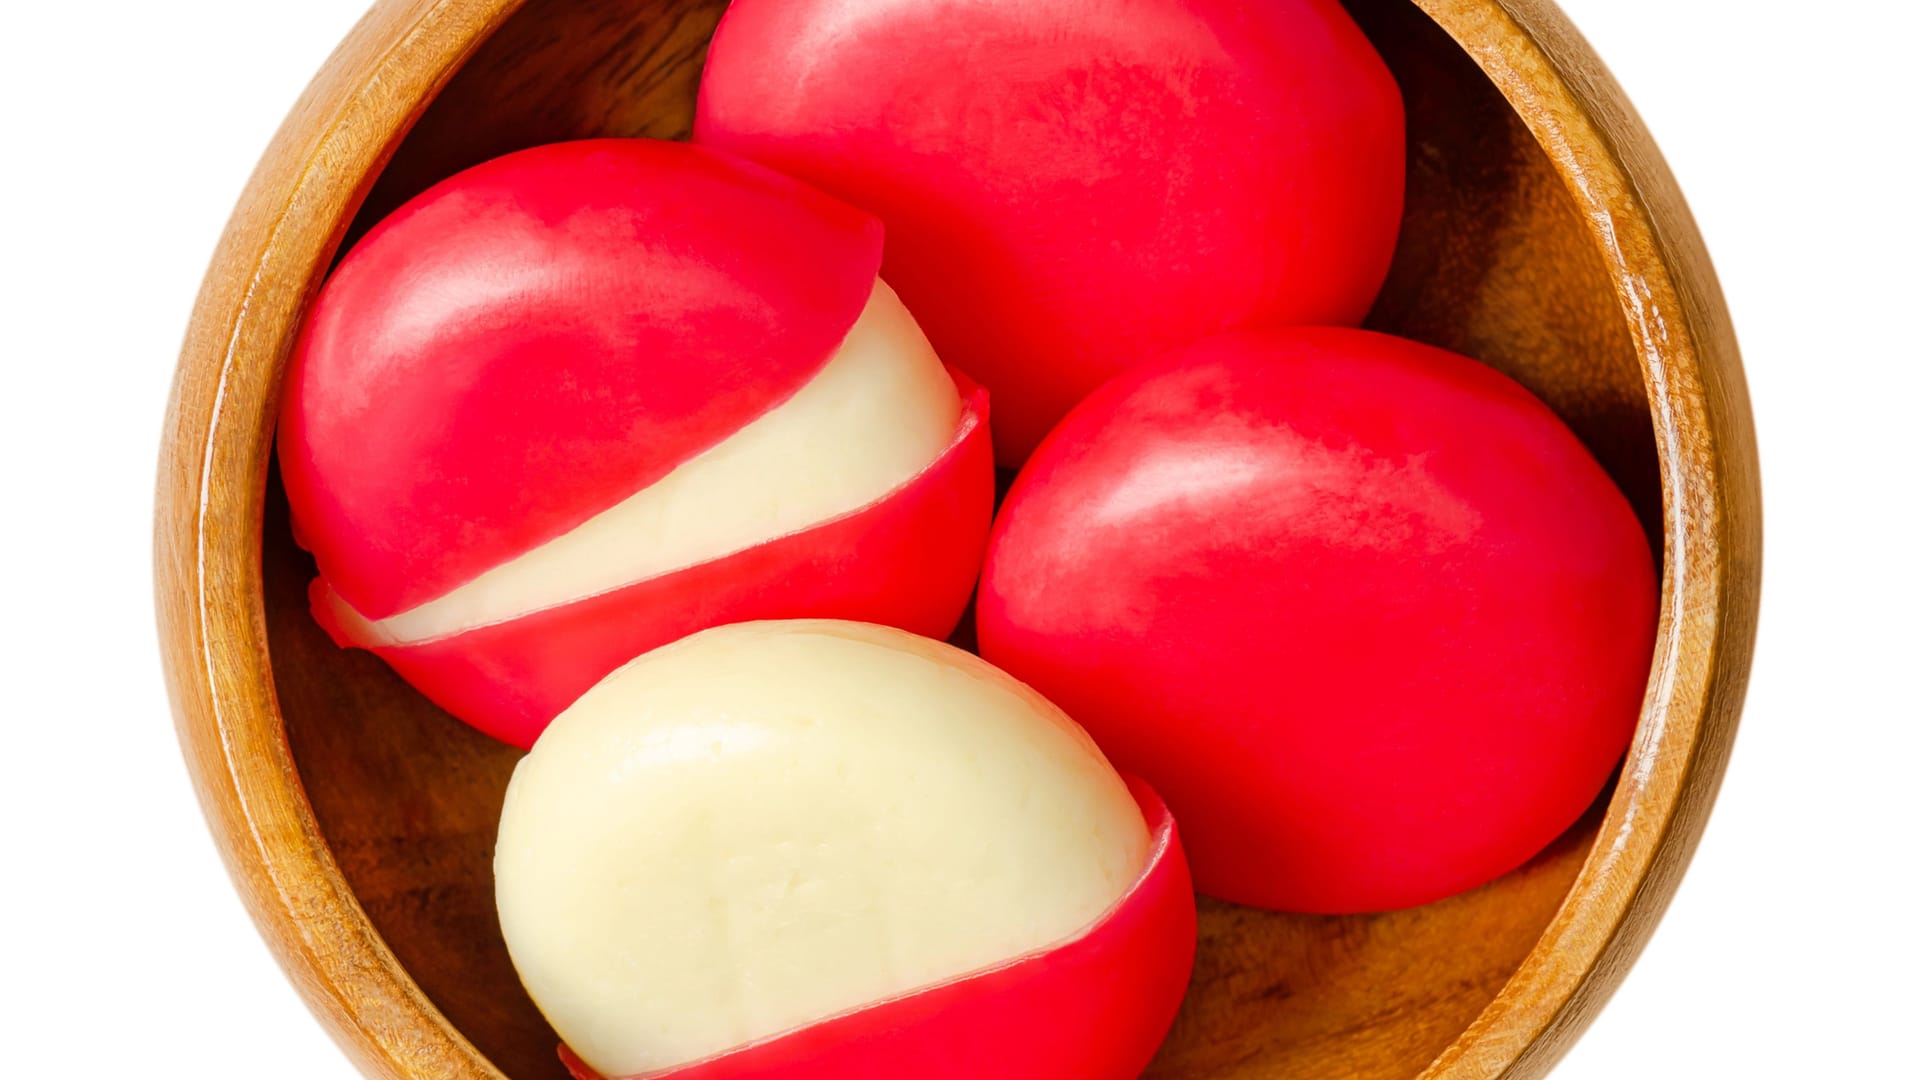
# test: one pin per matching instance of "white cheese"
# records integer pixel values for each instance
(767, 824)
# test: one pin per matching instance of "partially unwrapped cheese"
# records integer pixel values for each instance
(768, 824)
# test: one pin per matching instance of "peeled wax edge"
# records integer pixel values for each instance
(767, 273)
(1094, 1007)
(907, 560)
(870, 420)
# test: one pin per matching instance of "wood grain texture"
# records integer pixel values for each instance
(1544, 235)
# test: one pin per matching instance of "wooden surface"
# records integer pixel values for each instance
(1544, 235)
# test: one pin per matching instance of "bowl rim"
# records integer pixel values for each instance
(217, 443)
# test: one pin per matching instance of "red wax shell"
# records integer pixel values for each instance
(535, 339)
(908, 560)
(1093, 1008)
(1073, 186)
(1365, 611)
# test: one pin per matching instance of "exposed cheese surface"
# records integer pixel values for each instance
(767, 824)
(877, 414)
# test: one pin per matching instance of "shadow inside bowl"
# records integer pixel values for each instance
(1494, 261)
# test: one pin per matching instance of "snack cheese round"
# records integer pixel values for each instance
(1365, 612)
(1071, 187)
(757, 851)
(587, 398)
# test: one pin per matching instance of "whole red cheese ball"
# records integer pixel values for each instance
(1071, 187)
(1365, 611)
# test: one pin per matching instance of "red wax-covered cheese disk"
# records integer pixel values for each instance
(1074, 186)
(1364, 611)
(831, 851)
(587, 398)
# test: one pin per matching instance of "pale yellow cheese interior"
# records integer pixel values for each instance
(876, 415)
(770, 823)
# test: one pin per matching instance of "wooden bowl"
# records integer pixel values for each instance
(1544, 235)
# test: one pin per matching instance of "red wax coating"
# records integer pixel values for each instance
(1073, 186)
(1094, 1008)
(535, 339)
(1365, 611)
(907, 560)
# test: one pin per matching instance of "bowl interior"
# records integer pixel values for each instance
(1493, 261)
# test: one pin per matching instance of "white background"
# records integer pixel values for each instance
(131, 126)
